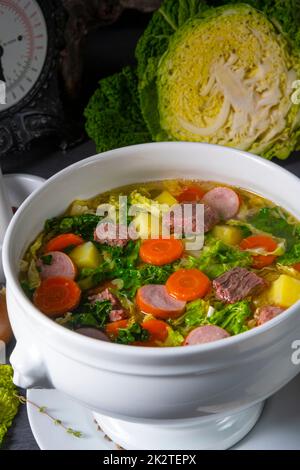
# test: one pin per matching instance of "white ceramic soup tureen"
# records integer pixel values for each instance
(196, 397)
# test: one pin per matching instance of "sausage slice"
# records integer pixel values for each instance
(56, 263)
(224, 200)
(205, 334)
(179, 222)
(92, 333)
(155, 299)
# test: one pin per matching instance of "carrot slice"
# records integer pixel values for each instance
(161, 251)
(112, 329)
(57, 295)
(158, 332)
(158, 329)
(260, 241)
(61, 242)
(188, 284)
(191, 194)
(261, 261)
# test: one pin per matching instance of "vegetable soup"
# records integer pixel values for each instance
(99, 269)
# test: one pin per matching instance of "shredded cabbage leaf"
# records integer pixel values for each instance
(174, 338)
(9, 403)
(232, 317)
(216, 258)
(273, 221)
(195, 315)
(291, 257)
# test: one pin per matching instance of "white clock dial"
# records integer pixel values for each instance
(23, 47)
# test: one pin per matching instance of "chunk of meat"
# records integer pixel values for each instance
(118, 312)
(154, 299)
(267, 313)
(224, 200)
(205, 334)
(105, 295)
(111, 234)
(93, 333)
(180, 222)
(56, 263)
(237, 284)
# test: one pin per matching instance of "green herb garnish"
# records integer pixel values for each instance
(83, 225)
(27, 289)
(47, 259)
(134, 332)
(272, 220)
(291, 257)
(94, 314)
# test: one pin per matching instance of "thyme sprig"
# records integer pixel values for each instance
(42, 409)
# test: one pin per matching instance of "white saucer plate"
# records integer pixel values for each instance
(277, 429)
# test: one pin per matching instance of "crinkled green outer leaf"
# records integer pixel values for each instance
(163, 24)
(285, 14)
(113, 115)
(167, 85)
(9, 404)
(151, 47)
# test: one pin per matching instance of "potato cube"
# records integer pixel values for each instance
(228, 234)
(166, 198)
(285, 291)
(142, 223)
(86, 256)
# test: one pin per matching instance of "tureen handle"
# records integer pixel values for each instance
(29, 369)
(5, 217)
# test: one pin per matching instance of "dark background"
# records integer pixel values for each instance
(107, 50)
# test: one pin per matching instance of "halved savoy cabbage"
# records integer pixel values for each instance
(220, 75)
